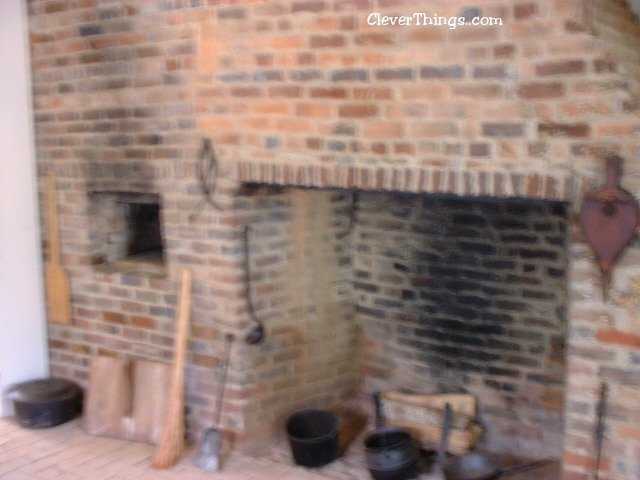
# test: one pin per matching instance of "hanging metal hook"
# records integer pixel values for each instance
(207, 173)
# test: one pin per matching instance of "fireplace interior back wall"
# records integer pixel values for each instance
(468, 295)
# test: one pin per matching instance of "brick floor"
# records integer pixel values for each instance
(66, 452)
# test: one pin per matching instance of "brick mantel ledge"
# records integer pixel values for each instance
(406, 179)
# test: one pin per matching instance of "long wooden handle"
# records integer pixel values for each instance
(184, 310)
(52, 218)
(171, 443)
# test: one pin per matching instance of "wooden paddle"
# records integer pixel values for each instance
(57, 289)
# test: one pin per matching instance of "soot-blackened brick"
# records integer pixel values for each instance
(499, 264)
(371, 312)
(473, 301)
(510, 224)
(538, 254)
(544, 379)
(477, 247)
(504, 372)
(461, 258)
(366, 287)
(494, 384)
(504, 345)
(519, 238)
(459, 311)
(469, 219)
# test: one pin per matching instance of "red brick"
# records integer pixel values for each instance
(533, 90)
(617, 337)
(245, 92)
(605, 65)
(314, 143)
(382, 129)
(404, 148)
(270, 107)
(327, 92)
(327, 41)
(435, 129)
(574, 26)
(291, 91)
(344, 5)
(375, 39)
(564, 67)
(322, 110)
(286, 41)
(113, 317)
(372, 93)
(474, 34)
(358, 111)
(524, 10)
(563, 130)
(308, 6)
(477, 90)
(142, 321)
(504, 51)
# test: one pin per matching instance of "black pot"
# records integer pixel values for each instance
(391, 454)
(313, 437)
(46, 402)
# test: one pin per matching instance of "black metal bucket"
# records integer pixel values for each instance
(313, 436)
(391, 454)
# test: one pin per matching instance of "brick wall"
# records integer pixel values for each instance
(468, 295)
(307, 93)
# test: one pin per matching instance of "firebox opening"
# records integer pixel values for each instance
(129, 233)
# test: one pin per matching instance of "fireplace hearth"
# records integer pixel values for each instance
(411, 193)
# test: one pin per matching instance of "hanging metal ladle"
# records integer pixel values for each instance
(609, 219)
(256, 334)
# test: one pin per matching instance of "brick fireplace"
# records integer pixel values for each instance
(334, 137)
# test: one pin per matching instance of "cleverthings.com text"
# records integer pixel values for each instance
(423, 19)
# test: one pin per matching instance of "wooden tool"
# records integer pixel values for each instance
(171, 443)
(57, 290)
(609, 219)
(150, 385)
(126, 399)
(108, 399)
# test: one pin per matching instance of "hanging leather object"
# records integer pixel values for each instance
(609, 219)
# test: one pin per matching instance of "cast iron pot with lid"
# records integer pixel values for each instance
(45, 402)
(390, 452)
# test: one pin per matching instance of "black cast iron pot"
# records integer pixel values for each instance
(391, 454)
(46, 402)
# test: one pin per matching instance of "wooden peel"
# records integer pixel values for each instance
(108, 399)
(126, 398)
(57, 290)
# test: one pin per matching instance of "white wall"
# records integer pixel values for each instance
(23, 349)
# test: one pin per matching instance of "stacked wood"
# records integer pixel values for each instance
(423, 415)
